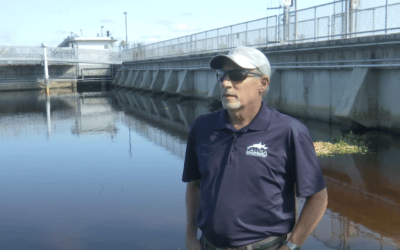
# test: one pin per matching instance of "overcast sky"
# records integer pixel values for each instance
(31, 23)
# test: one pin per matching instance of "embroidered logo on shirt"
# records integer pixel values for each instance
(257, 150)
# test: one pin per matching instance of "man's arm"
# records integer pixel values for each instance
(313, 210)
(192, 208)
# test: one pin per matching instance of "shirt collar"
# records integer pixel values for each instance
(260, 122)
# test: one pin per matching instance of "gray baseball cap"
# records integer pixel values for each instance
(245, 57)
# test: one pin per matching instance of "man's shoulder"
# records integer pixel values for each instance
(286, 122)
(207, 120)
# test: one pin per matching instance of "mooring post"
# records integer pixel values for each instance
(46, 69)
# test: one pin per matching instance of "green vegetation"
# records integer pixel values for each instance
(348, 144)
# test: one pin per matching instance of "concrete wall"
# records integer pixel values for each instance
(343, 81)
(20, 77)
(369, 97)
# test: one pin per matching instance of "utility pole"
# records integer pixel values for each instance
(386, 16)
(278, 23)
(295, 17)
(126, 30)
(46, 69)
(286, 23)
(351, 18)
(345, 18)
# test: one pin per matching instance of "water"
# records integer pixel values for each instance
(103, 171)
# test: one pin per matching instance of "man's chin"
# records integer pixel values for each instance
(231, 105)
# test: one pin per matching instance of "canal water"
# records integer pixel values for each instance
(102, 170)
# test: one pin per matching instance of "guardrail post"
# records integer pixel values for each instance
(247, 24)
(217, 39)
(373, 22)
(266, 33)
(329, 27)
(231, 38)
(278, 24)
(333, 22)
(46, 70)
(288, 23)
(355, 22)
(205, 40)
(276, 27)
(315, 24)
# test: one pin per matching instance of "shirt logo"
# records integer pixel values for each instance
(257, 150)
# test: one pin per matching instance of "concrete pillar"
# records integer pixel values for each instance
(122, 80)
(129, 79)
(171, 82)
(146, 81)
(138, 79)
(117, 77)
(273, 96)
(186, 83)
(214, 90)
(359, 100)
(158, 80)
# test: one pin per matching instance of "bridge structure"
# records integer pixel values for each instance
(32, 67)
(336, 62)
(56, 55)
(341, 19)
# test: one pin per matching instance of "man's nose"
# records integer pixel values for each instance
(226, 82)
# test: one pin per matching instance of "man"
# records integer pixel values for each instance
(243, 165)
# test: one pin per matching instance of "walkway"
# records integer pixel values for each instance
(13, 55)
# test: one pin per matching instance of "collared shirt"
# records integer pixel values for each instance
(249, 176)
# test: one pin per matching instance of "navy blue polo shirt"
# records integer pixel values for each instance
(249, 176)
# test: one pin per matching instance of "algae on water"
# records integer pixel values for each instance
(348, 144)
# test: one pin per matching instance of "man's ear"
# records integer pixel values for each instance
(264, 83)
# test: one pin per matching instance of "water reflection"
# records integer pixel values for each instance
(95, 115)
(67, 181)
(24, 113)
(364, 191)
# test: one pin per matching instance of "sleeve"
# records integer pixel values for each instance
(309, 177)
(191, 166)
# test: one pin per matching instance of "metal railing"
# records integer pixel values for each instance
(337, 20)
(26, 55)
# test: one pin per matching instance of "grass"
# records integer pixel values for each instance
(348, 144)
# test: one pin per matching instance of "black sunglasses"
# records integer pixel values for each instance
(236, 75)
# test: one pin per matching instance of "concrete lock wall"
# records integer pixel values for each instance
(23, 77)
(351, 81)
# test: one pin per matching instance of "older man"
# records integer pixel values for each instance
(245, 164)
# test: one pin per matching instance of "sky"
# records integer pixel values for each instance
(31, 23)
